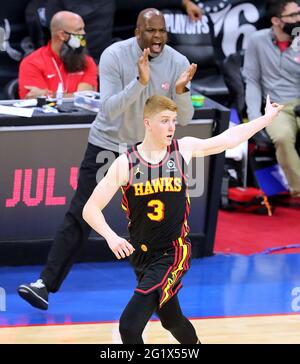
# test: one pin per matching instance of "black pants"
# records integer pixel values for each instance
(139, 311)
(74, 231)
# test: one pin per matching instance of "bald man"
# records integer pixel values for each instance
(130, 72)
(63, 60)
(133, 70)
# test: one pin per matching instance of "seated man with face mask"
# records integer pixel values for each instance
(272, 66)
(63, 60)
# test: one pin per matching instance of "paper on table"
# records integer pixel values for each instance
(18, 111)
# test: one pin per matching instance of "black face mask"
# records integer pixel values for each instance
(289, 27)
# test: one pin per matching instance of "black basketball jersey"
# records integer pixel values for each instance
(156, 198)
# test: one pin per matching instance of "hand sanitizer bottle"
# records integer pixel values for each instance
(59, 94)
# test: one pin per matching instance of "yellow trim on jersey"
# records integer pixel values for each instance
(173, 280)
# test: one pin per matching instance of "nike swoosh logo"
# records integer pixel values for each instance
(50, 76)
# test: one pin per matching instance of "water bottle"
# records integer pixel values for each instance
(59, 94)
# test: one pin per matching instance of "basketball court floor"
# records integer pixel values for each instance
(230, 299)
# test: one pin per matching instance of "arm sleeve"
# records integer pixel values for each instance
(116, 97)
(90, 73)
(30, 75)
(252, 74)
(183, 101)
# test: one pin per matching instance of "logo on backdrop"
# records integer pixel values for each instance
(5, 34)
(2, 39)
(233, 22)
(13, 53)
(296, 300)
(296, 41)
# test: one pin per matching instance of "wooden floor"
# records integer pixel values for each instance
(248, 330)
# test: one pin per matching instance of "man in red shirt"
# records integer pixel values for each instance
(63, 60)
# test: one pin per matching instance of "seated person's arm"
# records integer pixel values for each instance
(82, 86)
(85, 86)
(31, 82)
(89, 79)
(193, 10)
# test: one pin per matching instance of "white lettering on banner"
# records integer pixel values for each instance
(226, 19)
(182, 24)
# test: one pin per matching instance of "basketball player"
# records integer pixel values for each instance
(154, 185)
(131, 71)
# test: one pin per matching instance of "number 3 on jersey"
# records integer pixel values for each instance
(158, 212)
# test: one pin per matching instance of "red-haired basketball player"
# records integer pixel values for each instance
(152, 177)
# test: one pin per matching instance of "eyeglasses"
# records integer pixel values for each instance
(75, 34)
(292, 15)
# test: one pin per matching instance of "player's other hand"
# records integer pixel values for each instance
(120, 247)
(272, 109)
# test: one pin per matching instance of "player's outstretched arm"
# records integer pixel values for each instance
(116, 176)
(231, 137)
